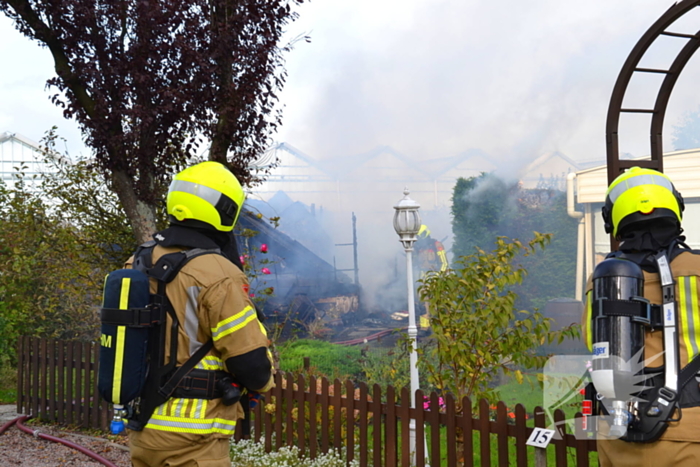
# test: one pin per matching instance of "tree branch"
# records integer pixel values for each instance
(62, 65)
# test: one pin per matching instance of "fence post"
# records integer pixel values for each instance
(540, 454)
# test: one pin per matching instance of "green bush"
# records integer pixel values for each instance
(8, 382)
(326, 359)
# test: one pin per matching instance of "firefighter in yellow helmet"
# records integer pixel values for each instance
(209, 296)
(643, 211)
(431, 256)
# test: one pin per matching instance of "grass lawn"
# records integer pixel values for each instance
(531, 395)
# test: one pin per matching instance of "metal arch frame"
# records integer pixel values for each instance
(615, 165)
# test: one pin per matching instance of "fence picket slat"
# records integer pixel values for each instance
(484, 433)
(325, 415)
(276, 426)
(85, 403)
(377, 418)
(313, 424)
(540, 454)
(257, 415)
(350, 420)
(560, 444)
(35, 377)
(301, 413)
(390, 428)
(362, 408)
(467, 430)
(43, 386)
(434, 419)
(581, 442)
(520, 436)
(420, 432)
(51, 355)
(451, 431)
(289, 402)
(96, 399)
(337, 403)
(61, 382)
(502, 433)
(20, 373)
(404, 420)
(77, 366)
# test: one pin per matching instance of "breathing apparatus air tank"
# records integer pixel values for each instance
(618, 338)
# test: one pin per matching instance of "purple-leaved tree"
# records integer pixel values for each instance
(148, 81)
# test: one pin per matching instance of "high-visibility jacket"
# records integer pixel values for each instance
(210, 298)
(431, 255)
(686, 272)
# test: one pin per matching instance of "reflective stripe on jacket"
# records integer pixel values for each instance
(686, 273)
(210, 300)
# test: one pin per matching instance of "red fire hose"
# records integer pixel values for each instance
(38, 434)
(364, 340)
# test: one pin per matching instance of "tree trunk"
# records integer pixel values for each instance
(141, 215)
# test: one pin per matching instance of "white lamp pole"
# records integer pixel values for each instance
(407, 224)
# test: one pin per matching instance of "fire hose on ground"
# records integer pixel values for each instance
(37, 434)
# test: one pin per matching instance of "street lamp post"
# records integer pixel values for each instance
(407, 224)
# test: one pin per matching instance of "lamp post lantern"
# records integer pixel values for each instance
(407, 224)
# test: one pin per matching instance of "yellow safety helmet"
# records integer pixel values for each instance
(424, 231)
(640, 195)
(205, 193)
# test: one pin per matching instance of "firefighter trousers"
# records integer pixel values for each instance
(618, 453)
(212, 454)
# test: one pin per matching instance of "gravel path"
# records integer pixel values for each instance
(21, 449)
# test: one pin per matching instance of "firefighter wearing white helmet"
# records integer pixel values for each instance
(644, 298)
(209, 296)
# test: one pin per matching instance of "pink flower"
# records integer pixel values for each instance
(242, 258)
(263, 248)
(265, 271)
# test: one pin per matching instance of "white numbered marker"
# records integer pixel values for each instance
(540, 437)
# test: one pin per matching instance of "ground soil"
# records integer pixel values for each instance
(21, 449)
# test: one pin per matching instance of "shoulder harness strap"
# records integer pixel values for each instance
(163, 381)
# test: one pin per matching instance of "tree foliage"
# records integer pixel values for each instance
(145, 79)
(52, 268)
(477, 329)
(480, 208)
(486, 207)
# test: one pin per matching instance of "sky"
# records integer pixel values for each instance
(516, 79)
(429, 78)
(435, 78)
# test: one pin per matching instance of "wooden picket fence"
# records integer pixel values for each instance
(57, 381)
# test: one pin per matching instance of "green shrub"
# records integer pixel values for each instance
(8, 382)
(326, 359)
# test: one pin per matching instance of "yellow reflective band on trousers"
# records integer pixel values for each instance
(588, 321)
(234, 323)
(188, 416)
(690, 315)
(119, 349)
(443, 260)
